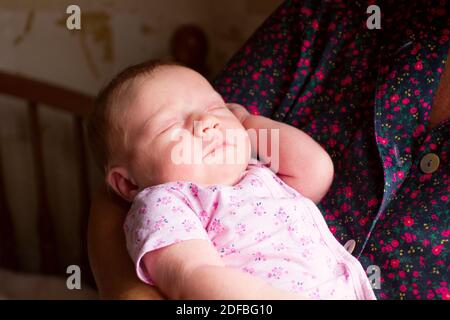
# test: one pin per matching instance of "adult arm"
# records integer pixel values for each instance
(111, 265)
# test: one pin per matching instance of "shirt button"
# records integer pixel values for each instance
(429, 163)
(350, 245)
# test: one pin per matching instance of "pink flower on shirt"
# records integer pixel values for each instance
(139, 236)
(296, 285)
(194, 189)
(177, 210)
(315, 294)
(258, 256)
(216, 226)
(188, 225)
(163, 201)
(143, 210)
(203, 215)
(307, 254)
(228, 249)
(248, 270)
(159, 223)
(276, 273)
(255, 182)
(281, 216)
(278, 246)
(259, 209)
(240, 228)
(235, 201)
(305, 241)
(260, 236)
(160, 243)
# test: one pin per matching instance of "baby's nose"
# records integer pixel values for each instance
(206, 126)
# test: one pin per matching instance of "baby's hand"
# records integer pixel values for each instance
(239, 111)
(296, 157)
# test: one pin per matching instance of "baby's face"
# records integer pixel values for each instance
(175, 121)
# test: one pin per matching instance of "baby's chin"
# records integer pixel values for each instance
(229, 179)
(225, 174)
(208, 175)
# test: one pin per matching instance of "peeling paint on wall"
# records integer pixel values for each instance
(96, 26)
(27, 29)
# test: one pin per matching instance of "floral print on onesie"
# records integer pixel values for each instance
(260, 226)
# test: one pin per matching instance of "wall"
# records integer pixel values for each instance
(35, 42)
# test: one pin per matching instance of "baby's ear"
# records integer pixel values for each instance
(120, 180)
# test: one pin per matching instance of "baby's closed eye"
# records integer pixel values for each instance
(216, 108)
(172, 125)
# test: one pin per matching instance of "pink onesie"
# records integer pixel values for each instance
(260, 226)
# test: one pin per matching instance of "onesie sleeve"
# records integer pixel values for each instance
(160, 216)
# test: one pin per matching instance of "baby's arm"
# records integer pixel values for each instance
(303, 164)
(193, 269)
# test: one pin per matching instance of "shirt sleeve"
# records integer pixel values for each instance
(159, 217)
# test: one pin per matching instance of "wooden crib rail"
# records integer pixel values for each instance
(44, 93)
(36, 93)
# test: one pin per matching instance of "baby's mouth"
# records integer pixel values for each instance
(211, 149)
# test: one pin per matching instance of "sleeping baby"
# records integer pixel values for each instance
(223, 201)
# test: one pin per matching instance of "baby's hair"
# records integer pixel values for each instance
(103, 120)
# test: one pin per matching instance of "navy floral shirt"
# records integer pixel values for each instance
(366, 97)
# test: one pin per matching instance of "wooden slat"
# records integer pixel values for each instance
(47, 239)
(43, 93)
(78, 105)
(83, 183)
(8, 253)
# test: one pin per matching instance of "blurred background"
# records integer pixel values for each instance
(48, 74)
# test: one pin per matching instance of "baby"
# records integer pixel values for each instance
(208, 220)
